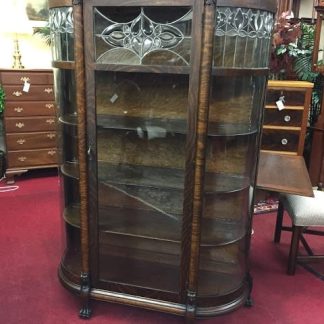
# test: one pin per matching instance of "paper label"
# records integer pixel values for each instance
(26, 86)
(281, 103)
(114, 98)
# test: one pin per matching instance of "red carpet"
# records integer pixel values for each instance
(30, 249)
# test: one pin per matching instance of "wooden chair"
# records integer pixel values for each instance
(304, 212)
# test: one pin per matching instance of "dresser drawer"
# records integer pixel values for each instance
(291, 97)
(285, 117)
(36, 92)
(30, 108)
(30, 124)
(280, 140)
(27, 141)
(31, 158)
(31, 77)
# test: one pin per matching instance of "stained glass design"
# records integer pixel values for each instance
(142, 40)
(242, 37)
(61, 26)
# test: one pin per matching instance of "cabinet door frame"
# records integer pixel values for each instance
(193, 70)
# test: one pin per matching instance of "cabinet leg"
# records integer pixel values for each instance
(249, 300)
(85, 311)
(10, 179)
(191, 307)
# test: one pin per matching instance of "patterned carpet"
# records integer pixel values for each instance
(266, 206)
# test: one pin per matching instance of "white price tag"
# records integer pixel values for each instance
(26, 86)
(281, 103)
(114, 98)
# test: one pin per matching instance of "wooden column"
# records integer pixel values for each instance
(85, 311)
(200, 159)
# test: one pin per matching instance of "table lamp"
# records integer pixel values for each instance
(14, 22)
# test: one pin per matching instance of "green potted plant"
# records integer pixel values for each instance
(284, 46)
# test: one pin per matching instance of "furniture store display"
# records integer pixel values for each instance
(286, 116)
(29, 121)
(306, 215)
(161, 106)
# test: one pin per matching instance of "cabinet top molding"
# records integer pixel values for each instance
(269, 5)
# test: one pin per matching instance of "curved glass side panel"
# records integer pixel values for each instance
(143, 35)
(242, 41)
(65, 93)
(242, 37)
(62, 37)
(67, 115)
(232, 146)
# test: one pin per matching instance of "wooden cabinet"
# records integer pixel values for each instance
(285, 116)
(160, 112)
(29, 120)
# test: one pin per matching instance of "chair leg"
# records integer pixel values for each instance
(278, 227)
(296, 233)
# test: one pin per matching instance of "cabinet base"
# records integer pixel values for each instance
(154, 304)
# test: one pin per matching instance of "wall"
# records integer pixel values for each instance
(306, 9)
(35, 53)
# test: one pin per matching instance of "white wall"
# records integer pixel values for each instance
(306, 8)
(35, 53)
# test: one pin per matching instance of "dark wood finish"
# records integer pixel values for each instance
(85, 311)
(284, 130)
(318, 32)
(277, 172)
(158, 191)
(30, 108)
(279, 220)
(200, 159)
(30, 121)
(293, 252)
(316, 161)
(59, 3)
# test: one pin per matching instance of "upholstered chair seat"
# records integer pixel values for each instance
(304, 212)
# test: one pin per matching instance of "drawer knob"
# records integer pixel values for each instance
(51, 136)
(17, 93)
(49, 106)
(287, 118)
(22, 158)
(48, 90)
(18, 109)
(52, 152)
(21, 141)
(20, 125)
(25, 79)
(50, 121)
(284, 141)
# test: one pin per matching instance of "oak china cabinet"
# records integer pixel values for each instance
(160, 114)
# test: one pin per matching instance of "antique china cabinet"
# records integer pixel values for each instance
(160, 114)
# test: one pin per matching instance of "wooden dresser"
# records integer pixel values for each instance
(29, 120)
(285, 116)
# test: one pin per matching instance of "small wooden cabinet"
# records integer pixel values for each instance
(284, 130)
(29, 120)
